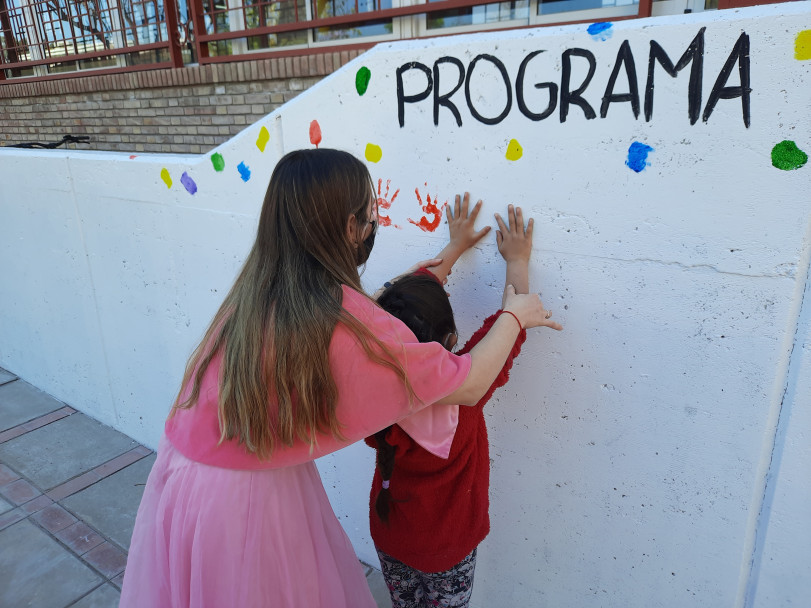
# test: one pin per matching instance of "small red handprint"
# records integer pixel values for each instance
(384, 202)
(430, 208)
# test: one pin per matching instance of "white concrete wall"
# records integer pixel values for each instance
(656, 452)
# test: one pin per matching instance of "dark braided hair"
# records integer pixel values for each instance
(418, 300)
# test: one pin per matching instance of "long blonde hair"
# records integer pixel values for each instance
(275, 325)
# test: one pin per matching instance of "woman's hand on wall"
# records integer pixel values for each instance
(529, 309)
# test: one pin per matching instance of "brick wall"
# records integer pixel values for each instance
(186, 110)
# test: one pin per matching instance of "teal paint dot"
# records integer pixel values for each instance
(362, 80)
(786, 156)
(218, 161)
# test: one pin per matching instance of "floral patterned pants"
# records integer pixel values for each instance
(412, 588)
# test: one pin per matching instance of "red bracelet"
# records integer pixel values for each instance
(517, 320)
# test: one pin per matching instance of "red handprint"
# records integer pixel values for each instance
(383, 202)
(429, 207)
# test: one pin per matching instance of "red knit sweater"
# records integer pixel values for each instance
(440, 508)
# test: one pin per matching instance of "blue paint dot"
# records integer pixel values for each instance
(244, 171)
(638, 156)
(188, 183)
(601, 30)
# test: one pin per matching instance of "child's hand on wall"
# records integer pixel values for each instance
(515, 246)
(463, 234)
(514, 240)
(461, 222)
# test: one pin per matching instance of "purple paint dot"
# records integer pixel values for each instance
(244, 171)
(601, 30)
(638, 156)
(188, 183)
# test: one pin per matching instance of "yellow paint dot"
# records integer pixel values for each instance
(802, 45)
(373, 153)
(167, 179)
(263, 139)
(514, 150)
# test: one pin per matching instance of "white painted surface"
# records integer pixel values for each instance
(656, 452)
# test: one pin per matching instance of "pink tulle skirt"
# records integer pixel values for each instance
(211, 537)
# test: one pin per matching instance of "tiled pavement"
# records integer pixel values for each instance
(69, 491)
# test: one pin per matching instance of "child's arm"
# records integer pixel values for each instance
(463, 235)
(515, 245)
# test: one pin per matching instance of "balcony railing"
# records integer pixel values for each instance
(43, 39)
(54, 38)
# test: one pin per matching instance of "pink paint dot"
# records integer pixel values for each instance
(315, 133)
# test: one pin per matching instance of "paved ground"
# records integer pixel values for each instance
(69, 491)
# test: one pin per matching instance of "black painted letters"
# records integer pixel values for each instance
(566, 95)
(694, 54)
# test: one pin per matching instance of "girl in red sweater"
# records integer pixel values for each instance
(427, 550)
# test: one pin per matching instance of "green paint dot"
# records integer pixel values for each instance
(787, 156)
(218, 161)
(362, 80)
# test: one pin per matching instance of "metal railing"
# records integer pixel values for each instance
(52, 38)
(43, 39)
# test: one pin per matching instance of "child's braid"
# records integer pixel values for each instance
(385, 464)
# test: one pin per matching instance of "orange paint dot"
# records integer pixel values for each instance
(315, 133)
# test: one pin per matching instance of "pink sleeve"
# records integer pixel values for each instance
(433, 428)
(371, 396)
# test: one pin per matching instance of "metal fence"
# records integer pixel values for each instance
(43, 39)
(53, 38)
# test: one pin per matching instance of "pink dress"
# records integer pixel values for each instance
(217, 527)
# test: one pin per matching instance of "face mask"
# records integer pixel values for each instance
(365, 248)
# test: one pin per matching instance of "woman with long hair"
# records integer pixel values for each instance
(297, 362)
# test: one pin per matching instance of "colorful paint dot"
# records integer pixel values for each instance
(802, 45)
(638, 156)
(315, 133)
(373, 153)
(263, 139)
(244, 171)
(188, 183)
(167, 179)
(601, 30)
(362, 80)
(514, 150)
(786, 156)
(218, 161)
(133, 156)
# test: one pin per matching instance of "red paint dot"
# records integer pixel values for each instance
(315, 133)
(133, 156)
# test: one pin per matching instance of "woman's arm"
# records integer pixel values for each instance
(489, 355)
